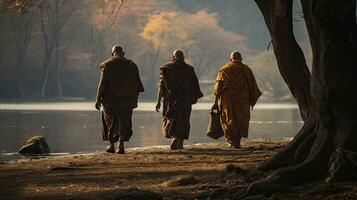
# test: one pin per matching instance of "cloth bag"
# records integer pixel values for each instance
(214, 129)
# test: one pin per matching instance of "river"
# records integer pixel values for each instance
(76, 127)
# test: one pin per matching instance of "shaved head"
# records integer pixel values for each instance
(235, 55)
(117, 50)
(178, 54)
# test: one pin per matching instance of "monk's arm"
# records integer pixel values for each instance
(101, 89)
(160, 93)
(218, 93)
(140, 84)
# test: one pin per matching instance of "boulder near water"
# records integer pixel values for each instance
(34, 146)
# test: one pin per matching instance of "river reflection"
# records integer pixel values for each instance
(76, 127)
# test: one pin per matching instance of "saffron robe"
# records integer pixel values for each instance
(122, 85)
(239, 92)
(181, 89)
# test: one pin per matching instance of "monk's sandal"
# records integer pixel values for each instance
(121, 149)
(110, 148)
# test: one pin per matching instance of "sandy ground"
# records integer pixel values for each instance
(102, 175)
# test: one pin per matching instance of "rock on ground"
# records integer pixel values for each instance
(35, 145)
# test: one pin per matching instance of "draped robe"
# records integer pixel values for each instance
(122, 87)
(239, 92)
(180, 87)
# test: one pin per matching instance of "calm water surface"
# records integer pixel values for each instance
(76, 127)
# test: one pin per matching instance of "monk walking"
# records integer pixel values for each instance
(118, 92)
(178, 86)
(235, 92)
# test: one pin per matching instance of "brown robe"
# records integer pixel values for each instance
(181, 89)
(122, 87)
(239, 92)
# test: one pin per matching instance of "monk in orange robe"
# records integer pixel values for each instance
(236, 91)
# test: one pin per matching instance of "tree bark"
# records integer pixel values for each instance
(290, 58)
(326, 146)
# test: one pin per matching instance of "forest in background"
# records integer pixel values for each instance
(54, 50)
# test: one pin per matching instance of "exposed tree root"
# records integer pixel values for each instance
(296, 151)
(311, 156)
(266, 189)
(342, 166)
(313, 167)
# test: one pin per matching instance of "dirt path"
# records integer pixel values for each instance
(207, 169)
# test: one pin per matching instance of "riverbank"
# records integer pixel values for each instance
(202, 171)
(142, 106)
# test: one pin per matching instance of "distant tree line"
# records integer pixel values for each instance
(52, 49)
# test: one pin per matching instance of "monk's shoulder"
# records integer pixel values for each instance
(190, 67)
(132, 64)
(225, 67)
(246, 68)
(124, 62)
(107, 63)
(167, 65)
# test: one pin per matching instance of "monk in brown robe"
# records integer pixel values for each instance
(179, 87)
(236, 92)
(118, 92)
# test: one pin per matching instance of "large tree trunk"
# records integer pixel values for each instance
(326, 146)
